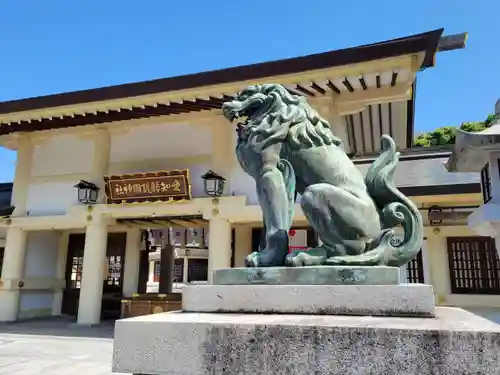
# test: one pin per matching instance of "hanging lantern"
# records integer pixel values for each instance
(87, 192)
(214, 184)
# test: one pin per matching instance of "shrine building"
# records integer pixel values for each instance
(118, 187)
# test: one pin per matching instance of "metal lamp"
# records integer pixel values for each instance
(214, 184)
(87, 192)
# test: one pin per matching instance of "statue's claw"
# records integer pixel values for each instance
(313, 257)
(252, 260)
(273, 255)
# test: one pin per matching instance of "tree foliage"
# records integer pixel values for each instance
(446, 134)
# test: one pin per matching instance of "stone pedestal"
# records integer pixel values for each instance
(314, 275)
(375, 300)
(308, 329)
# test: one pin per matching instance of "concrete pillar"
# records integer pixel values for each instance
(223, 153)
(243, 244)
(12, 273)
(132, 261)
(330, 112)
(185, 270)
(89, 307)
(22, 175)
(100, 161)
(219, 247)
(437, 252)
(151, 277)
(60, 273)
(497, 245)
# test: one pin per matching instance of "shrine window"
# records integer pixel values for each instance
(486, 183)
(197, 270)
(415, 269)
(474, 265)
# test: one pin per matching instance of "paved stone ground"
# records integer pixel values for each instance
(55, 347)
(58, 347)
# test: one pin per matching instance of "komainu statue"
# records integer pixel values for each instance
(289, 149)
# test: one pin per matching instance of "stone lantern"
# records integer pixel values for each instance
(480, 152)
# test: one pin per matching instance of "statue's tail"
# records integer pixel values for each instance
(395, 209)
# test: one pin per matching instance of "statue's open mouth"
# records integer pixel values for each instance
(241, 110)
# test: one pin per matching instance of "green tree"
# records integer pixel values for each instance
(446, 134)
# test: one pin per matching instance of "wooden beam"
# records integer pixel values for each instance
(348, 101)
(452, 42)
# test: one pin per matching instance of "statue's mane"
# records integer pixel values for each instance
(289, 119)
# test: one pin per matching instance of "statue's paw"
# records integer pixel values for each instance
(303, 259)
(252, 260)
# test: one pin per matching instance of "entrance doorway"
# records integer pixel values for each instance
(112, 277)
(2, 250)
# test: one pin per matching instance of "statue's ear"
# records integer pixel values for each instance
(267, 88)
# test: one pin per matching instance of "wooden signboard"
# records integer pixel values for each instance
(148, 187)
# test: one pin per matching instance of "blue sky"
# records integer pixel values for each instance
(55, 46)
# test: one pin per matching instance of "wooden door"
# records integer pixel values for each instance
(115, 256)
(112, 284)
(73, 275)
(2, 251)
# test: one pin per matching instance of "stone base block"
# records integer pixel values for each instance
(317, 275)
(380, 300)
(456, 342)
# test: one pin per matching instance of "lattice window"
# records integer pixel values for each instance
(76, 272)
(486, 183)
(415, 270)
(114, 270)
(474, 265)
(179, 270)
(197, 270)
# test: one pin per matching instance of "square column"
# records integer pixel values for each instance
(12, 273)
(223, 154)
(439, 272)
(219, 246)
(132, 260)
(151, 274)
(331, 113)
(94, 254)
(243, 244)
(100, 161)
(22, 174)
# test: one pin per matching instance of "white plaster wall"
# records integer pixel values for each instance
(64, 154)
(243, 184)
(35, 300)
(41, 254)
(41, 260)
(58, 164)
(161, 142)
(51, 198)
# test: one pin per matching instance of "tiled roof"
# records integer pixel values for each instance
(426, 172)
